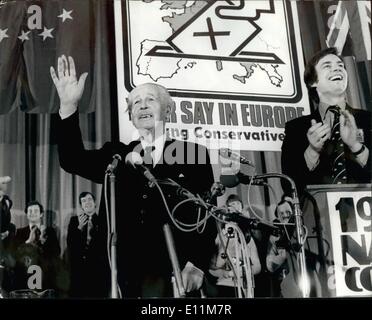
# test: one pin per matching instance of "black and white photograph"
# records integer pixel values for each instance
(200, 151)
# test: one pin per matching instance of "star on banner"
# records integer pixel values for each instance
(65, 15)
(24, 36)
(47, 33)
(3, 34)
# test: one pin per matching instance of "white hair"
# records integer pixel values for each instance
(165, 98)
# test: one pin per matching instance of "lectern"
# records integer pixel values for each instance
(338, 247)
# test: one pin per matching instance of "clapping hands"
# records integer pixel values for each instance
(318, 134)
(348, 130)
(83, 220)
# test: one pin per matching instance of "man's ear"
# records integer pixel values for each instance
(129, 113)
(314, 85)
(168, 110)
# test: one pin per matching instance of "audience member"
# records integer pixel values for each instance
(85, 252)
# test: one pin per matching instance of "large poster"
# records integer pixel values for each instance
(234, 68)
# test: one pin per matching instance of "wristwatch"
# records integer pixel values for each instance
(359, 151)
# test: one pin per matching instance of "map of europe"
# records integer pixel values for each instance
(150, 66)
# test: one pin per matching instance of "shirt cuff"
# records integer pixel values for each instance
(311, 158)
(65, 112)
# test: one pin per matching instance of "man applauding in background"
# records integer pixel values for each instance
(84, 252)
(332, 145)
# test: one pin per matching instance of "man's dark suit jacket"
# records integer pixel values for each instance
(5, 214)
(144, 267)
(51, 246)
(296, 142)
(86, 261)
(44, 255)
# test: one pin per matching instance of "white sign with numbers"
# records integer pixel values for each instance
(350, 215)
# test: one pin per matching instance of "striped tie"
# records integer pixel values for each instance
(338, 155)
(89, 230)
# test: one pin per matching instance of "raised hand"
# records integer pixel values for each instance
(348, 131)
(68, 87)
(318, 134)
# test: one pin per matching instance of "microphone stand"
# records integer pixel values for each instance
(113, 238)
(299, 228)
(248, 276)
(178, 288)
(1, 266)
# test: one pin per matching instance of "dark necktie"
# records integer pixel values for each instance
(147, 157)
(37, 234)
(89, 229)
(338, 156)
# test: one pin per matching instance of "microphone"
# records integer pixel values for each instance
(135, 160)
(184, 193)
(229, 154)
(231, 181)
(229, 215)
(217, 190)
(112, 166)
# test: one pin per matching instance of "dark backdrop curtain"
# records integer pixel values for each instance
(28, 100)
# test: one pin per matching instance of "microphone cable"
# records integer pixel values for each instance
(249, 201)
(200, 222)
(265, 221)
(192, 226)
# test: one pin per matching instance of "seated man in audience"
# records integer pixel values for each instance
(7, 233)
(37, 245)
(279, 245)
(5, 205)
(7, 229)
(223, 264)
(85, 252)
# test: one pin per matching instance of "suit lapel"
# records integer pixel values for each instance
(316, 115)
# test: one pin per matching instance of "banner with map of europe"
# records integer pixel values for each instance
(233, 68)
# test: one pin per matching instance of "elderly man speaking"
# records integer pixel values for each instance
(144, 267)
